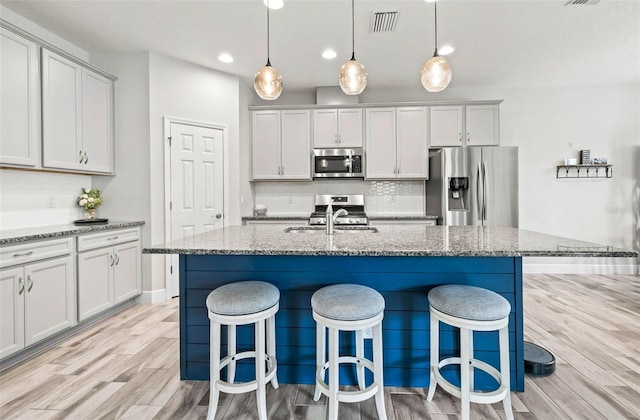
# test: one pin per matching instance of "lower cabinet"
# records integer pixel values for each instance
(37, 300)
(109, 270)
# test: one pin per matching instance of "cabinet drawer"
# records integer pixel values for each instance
(110, 238)
(34, 251)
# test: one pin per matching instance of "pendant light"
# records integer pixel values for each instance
(436, 73)
(267, 81)
(353, 76)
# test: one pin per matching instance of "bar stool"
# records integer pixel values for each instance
(470, 309)
(246, 302)
(348, 307)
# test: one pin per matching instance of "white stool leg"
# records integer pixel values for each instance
(434, 343)
(231, 349)
(360, 356)
(464, 372)
(505, 376)
(214, 368)
(334, 374)
(472, 382)
(320, 355)
(261, 391)
(271, 346)
(378, 373)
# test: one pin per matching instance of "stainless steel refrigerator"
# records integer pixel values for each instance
(473, 186)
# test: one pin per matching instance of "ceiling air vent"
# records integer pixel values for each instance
(383, 21)
(581, 2)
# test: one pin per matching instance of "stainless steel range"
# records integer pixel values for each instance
(353, 204)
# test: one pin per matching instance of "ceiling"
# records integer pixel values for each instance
(498, 43)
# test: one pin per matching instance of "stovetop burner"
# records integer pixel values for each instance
(353, 204)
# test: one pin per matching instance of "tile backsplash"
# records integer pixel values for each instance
(381, 197)
(30, 199)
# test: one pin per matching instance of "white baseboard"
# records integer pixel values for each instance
(151, 297)
(579, 265)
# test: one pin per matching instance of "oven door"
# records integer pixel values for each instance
(337, 163)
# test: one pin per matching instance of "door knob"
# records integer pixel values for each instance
(218, 216)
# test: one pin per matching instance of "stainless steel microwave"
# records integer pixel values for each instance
(338, 163)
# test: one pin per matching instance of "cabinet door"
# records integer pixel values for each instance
(350, 127)
(266, 144)
(61, 112)
(49, 298)
(325, 128)
(381, 143)
(126, 271)
(445, 126)
(296, 144)
(19, 100)
(411, 143)
(483, 125)
(12, 290)
(95, 291)
(97, 124)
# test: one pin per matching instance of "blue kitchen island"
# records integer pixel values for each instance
(401, 262)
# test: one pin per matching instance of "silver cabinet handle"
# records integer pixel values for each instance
(81, 156)
(460, 137)
(113, 238)
(218, 216)
(86, 158)
(29, 283)
(22, 254)
(20, 285)
(117, 259)
(111, 260)
(468, 136)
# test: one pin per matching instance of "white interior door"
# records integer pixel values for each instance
(197, 184)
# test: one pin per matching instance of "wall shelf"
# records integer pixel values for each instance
(584, 171)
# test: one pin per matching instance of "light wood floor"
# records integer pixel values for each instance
(127, 367)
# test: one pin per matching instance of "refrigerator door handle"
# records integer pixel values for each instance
(478, 199)
(484, 191)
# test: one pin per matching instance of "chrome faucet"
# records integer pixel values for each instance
(331, 217)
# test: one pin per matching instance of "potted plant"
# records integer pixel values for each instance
(90, 200)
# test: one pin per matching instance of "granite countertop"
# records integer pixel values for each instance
(378, 217)
(389, 241)
(267, 218)
(58, 231)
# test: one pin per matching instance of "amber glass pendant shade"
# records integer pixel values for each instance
(436, 74)
(353, 77)
(268, 83)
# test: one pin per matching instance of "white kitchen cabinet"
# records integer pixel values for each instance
(77, 112)
(396, 140)
(109, 270)
(470, 125)
(19, 100)
(446, 125)
(281, 142)
(482, 125)
(337, 128)
(37, 293)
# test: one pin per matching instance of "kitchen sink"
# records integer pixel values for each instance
(336, 229)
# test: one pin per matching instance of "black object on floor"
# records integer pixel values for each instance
(538, 361)
(95, 221)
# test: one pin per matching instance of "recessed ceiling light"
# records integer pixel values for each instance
(274, 4)
(329, 54)
(446, 50)
(225, 58)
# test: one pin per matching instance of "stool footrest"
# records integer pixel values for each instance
(238, 388)
(347, 396)
(474, 396)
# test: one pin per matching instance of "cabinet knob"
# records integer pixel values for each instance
(219, 215)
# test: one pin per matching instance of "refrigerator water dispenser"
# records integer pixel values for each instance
(458, 193)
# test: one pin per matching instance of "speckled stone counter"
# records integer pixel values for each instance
(389, 241)
(427, 217)
(14, 236)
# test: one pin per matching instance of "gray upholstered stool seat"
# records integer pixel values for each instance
(347, 302)
(469, 302)
(243, 303)
(348, 307)
(243, 298)
(470, 309)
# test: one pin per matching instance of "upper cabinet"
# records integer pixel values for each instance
(281, 144)
(77, 116)
(396, 143)
(470, 125)
(337, 128)
(19, 101)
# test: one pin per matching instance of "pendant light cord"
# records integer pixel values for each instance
(353, 32)
(268, 61)
(435, 11)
